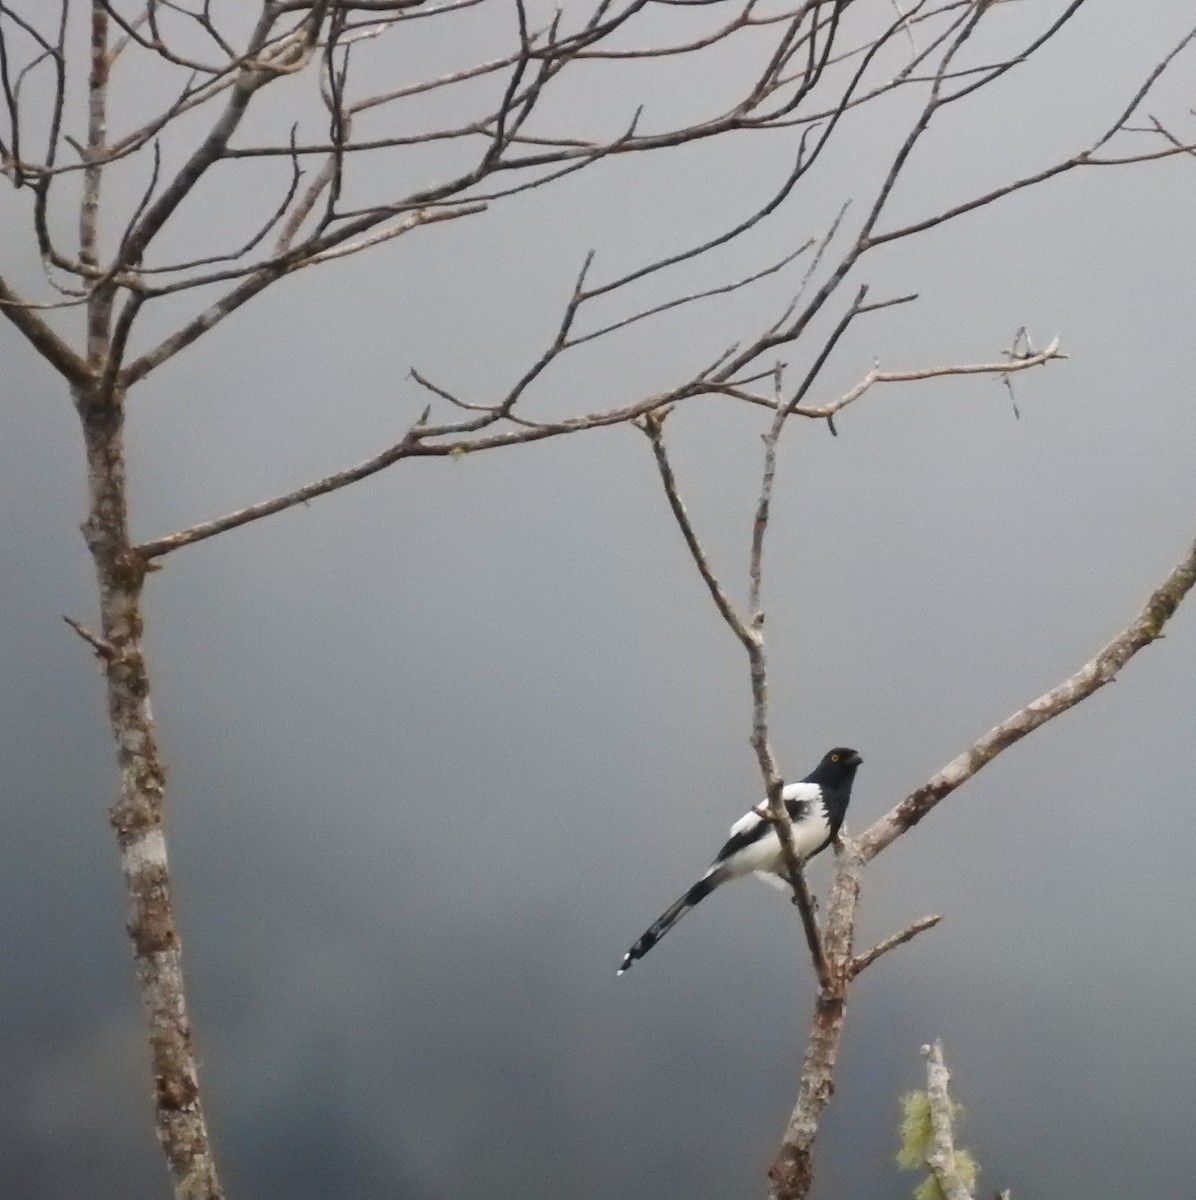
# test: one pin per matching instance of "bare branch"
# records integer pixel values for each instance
(652, 424)
(255, 512)
(941, 1157)
(758, 673)
(103, 650)
(445, 394)
(99, 301)
(751, 638)
(1146, 627)
(213, 146)
(247, 289)
(911, 931)
(792, 1173)
(41, 337)
(1013, 363)
(831, 981)
(1084, 158)
(678, 301)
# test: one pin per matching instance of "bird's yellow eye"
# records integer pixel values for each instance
(834, 758)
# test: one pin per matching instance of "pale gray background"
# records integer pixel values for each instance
(441, 745)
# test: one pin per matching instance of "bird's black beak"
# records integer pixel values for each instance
(856, 760)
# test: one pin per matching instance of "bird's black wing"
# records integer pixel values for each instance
(751, 828)
(745, 832)
(799, 810)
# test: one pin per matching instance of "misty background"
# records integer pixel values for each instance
(442, 744)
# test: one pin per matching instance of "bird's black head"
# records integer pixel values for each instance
(837, 768)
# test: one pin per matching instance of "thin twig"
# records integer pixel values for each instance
(652, 425)
(911, 931)
(103, 650)
(1012, 364)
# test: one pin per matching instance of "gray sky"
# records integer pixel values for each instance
(441, 745)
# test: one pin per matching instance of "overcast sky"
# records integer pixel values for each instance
(442, 745)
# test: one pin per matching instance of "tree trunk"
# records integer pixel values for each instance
(138, 812)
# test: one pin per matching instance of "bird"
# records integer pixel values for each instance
(816, 806)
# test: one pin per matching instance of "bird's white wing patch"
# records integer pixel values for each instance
(749, 820)
(801, 791)
(762, 855)
(792, 791)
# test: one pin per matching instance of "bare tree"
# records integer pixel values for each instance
(291, 95)
(832, 947)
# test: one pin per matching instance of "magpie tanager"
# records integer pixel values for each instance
(816, 808)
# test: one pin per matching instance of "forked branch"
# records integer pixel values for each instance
(792, 1174)
(751, 638)
(911, 931)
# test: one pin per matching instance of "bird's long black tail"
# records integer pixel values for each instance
(673, 914)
